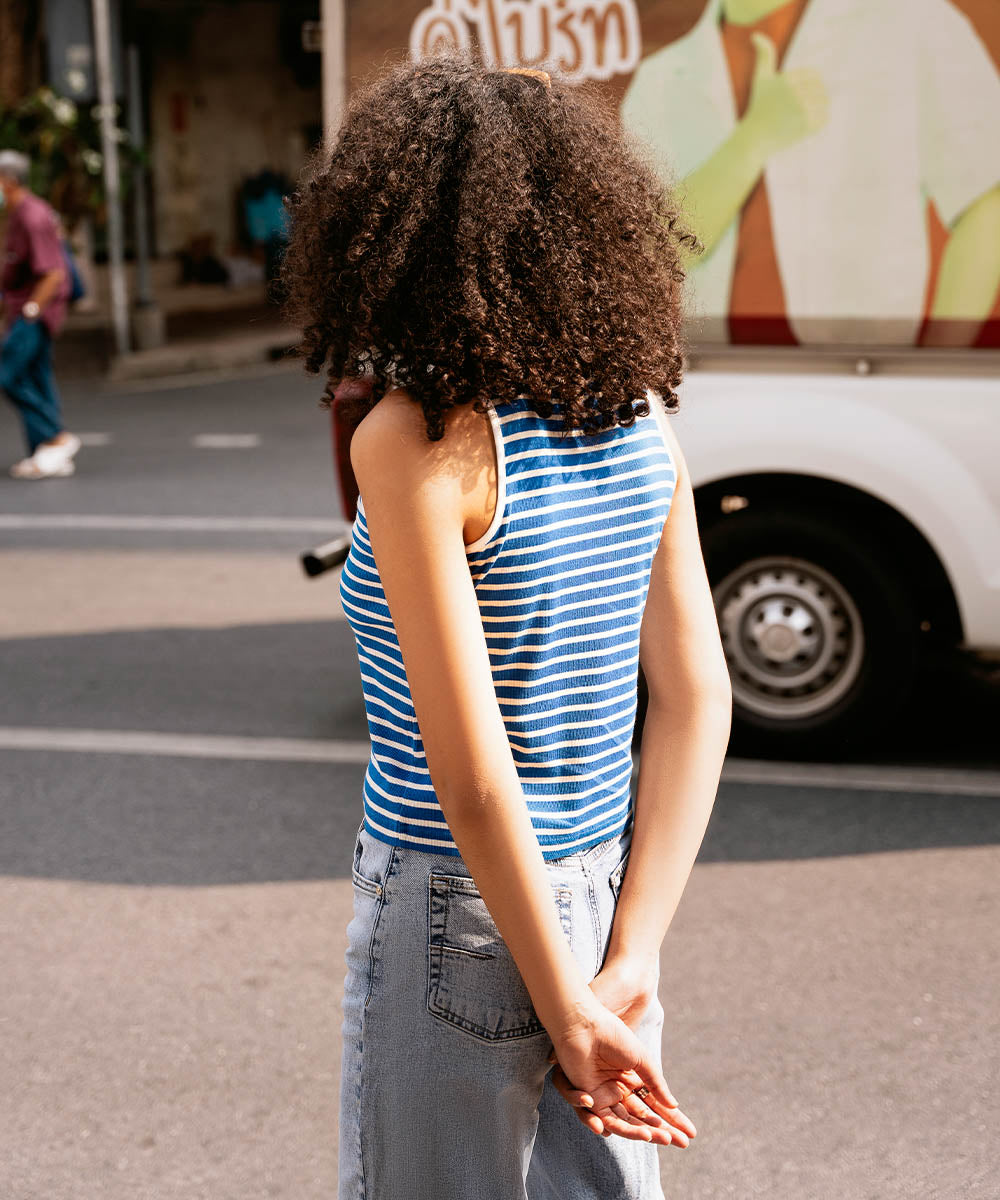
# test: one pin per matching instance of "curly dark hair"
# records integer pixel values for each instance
(476, 233)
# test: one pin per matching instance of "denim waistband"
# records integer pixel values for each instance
(587, 859)
(581, 862)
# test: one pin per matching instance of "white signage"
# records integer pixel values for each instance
(581, 39)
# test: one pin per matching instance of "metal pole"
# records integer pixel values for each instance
(112, 176)
(144, 291)
(334, 18)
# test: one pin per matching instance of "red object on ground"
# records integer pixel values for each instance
(343, 431)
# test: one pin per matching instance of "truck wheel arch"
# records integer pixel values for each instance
(870, 517)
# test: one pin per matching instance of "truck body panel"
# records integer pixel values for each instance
(840, 162)
(921, 445)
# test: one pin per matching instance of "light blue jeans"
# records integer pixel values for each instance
(445, 1087)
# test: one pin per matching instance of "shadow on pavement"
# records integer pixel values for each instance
(297, 679)
(162, 820)
(194, 822)
(759, 822)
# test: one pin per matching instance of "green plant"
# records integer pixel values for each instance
(63, 141)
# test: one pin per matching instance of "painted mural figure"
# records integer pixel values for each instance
(809, 136)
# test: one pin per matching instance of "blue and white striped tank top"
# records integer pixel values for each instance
(561, 575)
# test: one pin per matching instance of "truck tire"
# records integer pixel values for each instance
(819, 633)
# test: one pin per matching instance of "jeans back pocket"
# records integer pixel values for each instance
(472, 979)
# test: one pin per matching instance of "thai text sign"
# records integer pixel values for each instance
(583, 39)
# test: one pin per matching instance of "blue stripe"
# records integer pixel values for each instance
(561, 586)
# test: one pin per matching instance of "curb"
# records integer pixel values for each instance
(180, 358)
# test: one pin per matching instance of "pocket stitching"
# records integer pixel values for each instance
(376, 890)
(478, 954)
(617, 876)
(371, 886)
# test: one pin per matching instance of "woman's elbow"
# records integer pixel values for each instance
(708, 690)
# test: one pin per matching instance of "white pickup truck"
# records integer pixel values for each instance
(849, 508)
(839, 161)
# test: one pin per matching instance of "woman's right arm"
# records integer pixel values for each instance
(684, 739)
(684, 742)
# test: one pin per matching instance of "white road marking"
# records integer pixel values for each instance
(183, 745)
(168, 524)
(225, 441)
(863, 777)
(96, 439)
(851, 777)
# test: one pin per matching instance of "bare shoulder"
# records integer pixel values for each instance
(395, 420)
(390, 447)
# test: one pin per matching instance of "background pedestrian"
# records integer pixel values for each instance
(36, 286)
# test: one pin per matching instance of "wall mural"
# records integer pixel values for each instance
(838, 158)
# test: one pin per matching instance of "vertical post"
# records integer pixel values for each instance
(143, 290)
(334, 20)
(112, 175)
(148, 323)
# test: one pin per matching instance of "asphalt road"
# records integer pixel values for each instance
(182, 745)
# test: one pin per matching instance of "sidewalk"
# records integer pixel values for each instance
(209, 327)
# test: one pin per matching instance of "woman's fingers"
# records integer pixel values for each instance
(609, 1094)
(634, 1131)
(620, 1121)
(647, 1107)
(643, 1116)
(646, 1117)
(652, 1077)
(681, 1121)
(581, 1102)
(621, 1111)
(640, 1105)
(590, 1119)
(572, 1095)
(613, 1107)
(672, 1115)
(635, 1108)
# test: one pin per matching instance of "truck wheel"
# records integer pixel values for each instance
(820, 636)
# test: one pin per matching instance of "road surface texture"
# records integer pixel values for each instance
(183, 743)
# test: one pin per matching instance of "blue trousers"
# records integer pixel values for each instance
(27, 377)
(445, 1086)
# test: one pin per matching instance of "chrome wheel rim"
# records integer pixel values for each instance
(792, 635)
